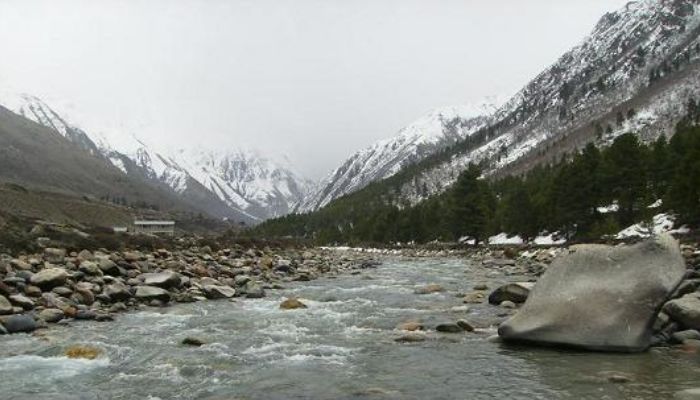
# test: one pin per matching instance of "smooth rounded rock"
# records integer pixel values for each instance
(49, 278)
(599, 297)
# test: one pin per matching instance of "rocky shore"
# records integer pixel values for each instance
(57, 286)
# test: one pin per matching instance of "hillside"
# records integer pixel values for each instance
(636, 72)
(234, 184)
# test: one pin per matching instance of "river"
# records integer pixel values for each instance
(341, 347)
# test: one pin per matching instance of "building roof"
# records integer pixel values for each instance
(144, 223)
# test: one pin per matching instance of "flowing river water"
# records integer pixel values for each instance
(341, 347)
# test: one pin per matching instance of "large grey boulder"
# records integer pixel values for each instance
(600, 298)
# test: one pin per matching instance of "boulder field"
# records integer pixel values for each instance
(57, 285)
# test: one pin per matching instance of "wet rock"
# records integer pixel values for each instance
(465, 325)
(21, 301)
(253, 290)
(193, 341)
(90, 268)
(481, 286)
(474, 298)
(218, 292)
(508, 304)
(685, 310)
(51, 315)
(680, 336)
(5, 306)
(55, 256)
(428, 289)
(19, 324)
(108, 267)
(117, 291)
(165, 280)
(688, 394)
(148, 293)
(600, 297)
(616, 377)
(49, 278)
(410, 326)
(292, 304)
(241, 280)
(83, 296)
(84, 352)
(515, 292)
(449, 327)
(410, 338)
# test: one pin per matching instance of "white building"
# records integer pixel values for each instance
(154, 227)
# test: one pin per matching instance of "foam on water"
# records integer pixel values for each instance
(49, 368)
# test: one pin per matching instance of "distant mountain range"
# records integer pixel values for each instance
(239, 184)
(635, 72)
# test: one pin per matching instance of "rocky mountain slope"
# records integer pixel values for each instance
(430, 134)
(241, 184)
(636, 72)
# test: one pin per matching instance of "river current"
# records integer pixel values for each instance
(341, 347)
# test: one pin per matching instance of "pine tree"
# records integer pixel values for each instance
(471, 206)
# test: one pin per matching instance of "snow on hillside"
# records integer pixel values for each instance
(640, 62)
(434, 131)
(242, 178)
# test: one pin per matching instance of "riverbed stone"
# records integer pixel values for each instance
(51, 315)
(292, 304)
(49, 278)
(117, 291)
(516, 292)
(410, 326)
(5, 306)
(55, 256)
(428, 289)
(165, 279)
(685, 310)
(218, 292)
(20, 324)
(599, 297)
(680, 336)
(254, 290)
(449, 327)
(148, 293)
(23, 301)
(473, 298)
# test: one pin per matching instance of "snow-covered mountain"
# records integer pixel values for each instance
(239, 183)
(433, 132)
(636, 72)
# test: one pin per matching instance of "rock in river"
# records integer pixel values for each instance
(292, 304)
(152, 293)
(515, 292)
(20, 323)
(218, 291)
(600, 297)
(5, 305)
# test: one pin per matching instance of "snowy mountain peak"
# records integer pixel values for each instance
(436, 130)
(243, 179)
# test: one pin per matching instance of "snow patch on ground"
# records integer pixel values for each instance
(661, 223)
(503, 239)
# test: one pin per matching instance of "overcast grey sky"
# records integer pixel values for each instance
(313, 79)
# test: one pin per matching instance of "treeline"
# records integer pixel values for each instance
(572, 197)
